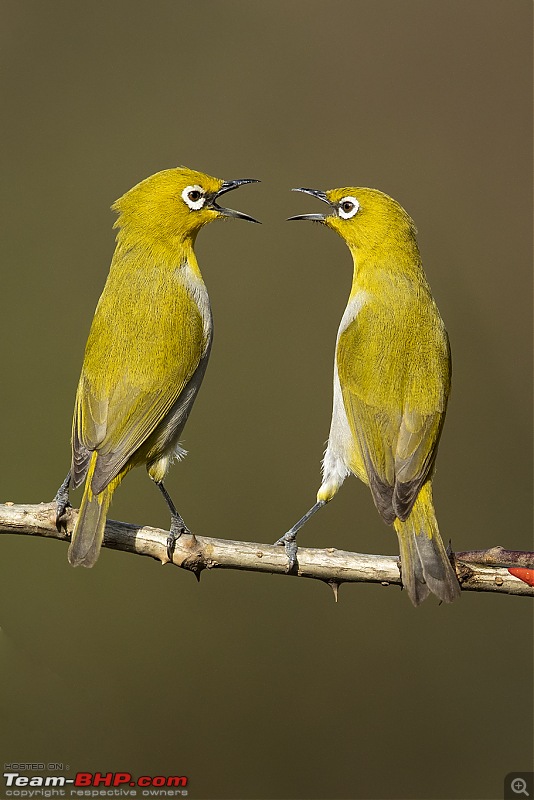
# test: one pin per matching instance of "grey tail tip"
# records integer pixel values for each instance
(83, 560)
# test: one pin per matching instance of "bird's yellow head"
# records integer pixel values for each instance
(171, 206)
(364, 218)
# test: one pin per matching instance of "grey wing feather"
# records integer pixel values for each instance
(162, 438)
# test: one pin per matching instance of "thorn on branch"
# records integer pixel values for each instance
(334, 585)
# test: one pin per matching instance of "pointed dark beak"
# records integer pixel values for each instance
(229, 212)
(320, 196)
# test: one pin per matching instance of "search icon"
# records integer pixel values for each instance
(519, 786)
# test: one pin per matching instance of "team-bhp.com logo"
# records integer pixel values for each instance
(94, 784)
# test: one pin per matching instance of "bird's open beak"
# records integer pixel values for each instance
(229, 212)
(320, 196)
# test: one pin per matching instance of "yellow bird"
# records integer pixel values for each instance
(147, 350)
(392, 375)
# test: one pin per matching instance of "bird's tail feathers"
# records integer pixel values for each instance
(424, 562)
(89, 529)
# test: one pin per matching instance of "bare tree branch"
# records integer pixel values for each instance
(478, 571)
(497, 557)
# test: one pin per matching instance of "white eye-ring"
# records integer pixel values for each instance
(347, 207)
(194, 197)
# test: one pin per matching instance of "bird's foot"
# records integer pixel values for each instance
(289, 541)
(178, 528)
(62, 502)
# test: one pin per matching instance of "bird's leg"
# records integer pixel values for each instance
(62, 500)
(178, 526)
(289, 539)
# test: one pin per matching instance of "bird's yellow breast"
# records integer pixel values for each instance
(394, 354)
(147, 330)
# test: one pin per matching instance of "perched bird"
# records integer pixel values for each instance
(392, 375)
(147, 350)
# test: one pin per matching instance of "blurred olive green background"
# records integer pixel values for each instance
(260, 686)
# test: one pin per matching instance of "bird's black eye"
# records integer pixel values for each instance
(194, 197)
(348, 207)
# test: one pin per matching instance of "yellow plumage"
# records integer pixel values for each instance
(147, 349)
(391, 383)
